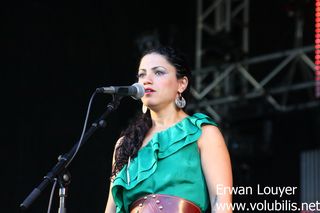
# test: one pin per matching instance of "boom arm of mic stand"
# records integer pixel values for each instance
(64, 159)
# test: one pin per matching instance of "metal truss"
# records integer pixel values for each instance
(217, 17)
(281, 81)
(272, 85)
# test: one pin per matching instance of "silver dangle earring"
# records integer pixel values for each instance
(144, 109)
(180, 101)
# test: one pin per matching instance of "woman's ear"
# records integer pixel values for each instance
(183, 83)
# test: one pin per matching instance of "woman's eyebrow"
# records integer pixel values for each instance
(154, 68)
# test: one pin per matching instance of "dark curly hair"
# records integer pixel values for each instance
(131, 138)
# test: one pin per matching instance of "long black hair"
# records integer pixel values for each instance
(131, 138)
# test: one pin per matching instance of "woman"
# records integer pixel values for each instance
(168, 161)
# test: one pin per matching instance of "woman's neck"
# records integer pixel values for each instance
(164, 119)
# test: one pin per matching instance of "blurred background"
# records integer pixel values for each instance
(253, 72)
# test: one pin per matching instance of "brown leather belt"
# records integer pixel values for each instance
(155, 203)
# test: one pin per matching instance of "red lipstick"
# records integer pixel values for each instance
(148, 90)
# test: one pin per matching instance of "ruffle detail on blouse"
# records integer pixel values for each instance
(141, 167)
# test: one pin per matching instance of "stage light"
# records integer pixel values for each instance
(317, 49)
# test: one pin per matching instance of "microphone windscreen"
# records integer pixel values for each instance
(140, 91)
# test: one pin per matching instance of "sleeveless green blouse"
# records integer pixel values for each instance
(169, 164)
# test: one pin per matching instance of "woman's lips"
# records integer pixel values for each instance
(149, 90)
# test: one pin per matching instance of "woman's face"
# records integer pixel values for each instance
(159, 79)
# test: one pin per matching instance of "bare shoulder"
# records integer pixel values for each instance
(119, 141)
(210, 129)
(210, 136)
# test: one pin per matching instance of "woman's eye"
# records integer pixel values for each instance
(140, 75)
(158, 72)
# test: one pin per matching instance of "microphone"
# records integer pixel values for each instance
(136, 91)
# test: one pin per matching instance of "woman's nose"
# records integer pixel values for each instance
(148, 79)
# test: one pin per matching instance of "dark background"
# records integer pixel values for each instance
(57, 52)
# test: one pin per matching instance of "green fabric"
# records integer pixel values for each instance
(169, 164)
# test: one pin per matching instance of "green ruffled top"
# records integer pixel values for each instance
(169, 164)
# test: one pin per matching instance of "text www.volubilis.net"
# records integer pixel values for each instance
(267, 206)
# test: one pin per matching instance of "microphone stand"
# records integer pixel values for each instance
(63, 161)
(63, 180)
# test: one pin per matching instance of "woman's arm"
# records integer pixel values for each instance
(216, 166)
(111, 207)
